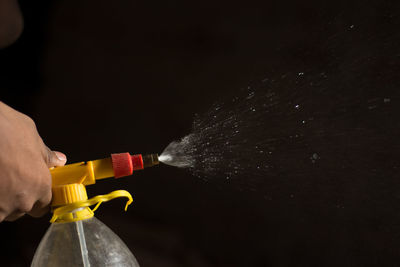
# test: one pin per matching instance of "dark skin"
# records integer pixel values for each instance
(25, 180)
(11, 22)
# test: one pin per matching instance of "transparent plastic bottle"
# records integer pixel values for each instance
(85, 243)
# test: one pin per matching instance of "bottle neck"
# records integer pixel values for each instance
(79, 214)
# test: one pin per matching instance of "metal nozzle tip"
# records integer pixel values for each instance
(150, 160)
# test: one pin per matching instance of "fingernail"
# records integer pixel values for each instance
(60, 156)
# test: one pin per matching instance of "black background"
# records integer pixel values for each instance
(100, 77)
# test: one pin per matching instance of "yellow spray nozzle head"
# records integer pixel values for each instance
(69, 181)
(86, 173)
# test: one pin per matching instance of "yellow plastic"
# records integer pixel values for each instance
(69, 192)
(81, 209)
(82, 173)
(77, 215)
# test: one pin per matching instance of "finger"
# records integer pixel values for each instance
(14, 216)
(42, 206)
(61, 158)
(39, 209)
(54, 158)
(2, 215)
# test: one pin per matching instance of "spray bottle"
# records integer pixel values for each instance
(76, 237)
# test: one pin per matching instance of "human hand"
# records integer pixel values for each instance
(25, 180)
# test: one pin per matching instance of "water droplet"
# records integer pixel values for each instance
(251, 95)
(301, 73)
(314, 157)
(386, 100)
(297, 106)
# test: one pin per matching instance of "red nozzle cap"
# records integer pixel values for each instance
(124, 164)
(137, 162)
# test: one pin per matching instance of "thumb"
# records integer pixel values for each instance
(55, 158)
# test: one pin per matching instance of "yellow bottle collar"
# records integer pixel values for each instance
(80, 210)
